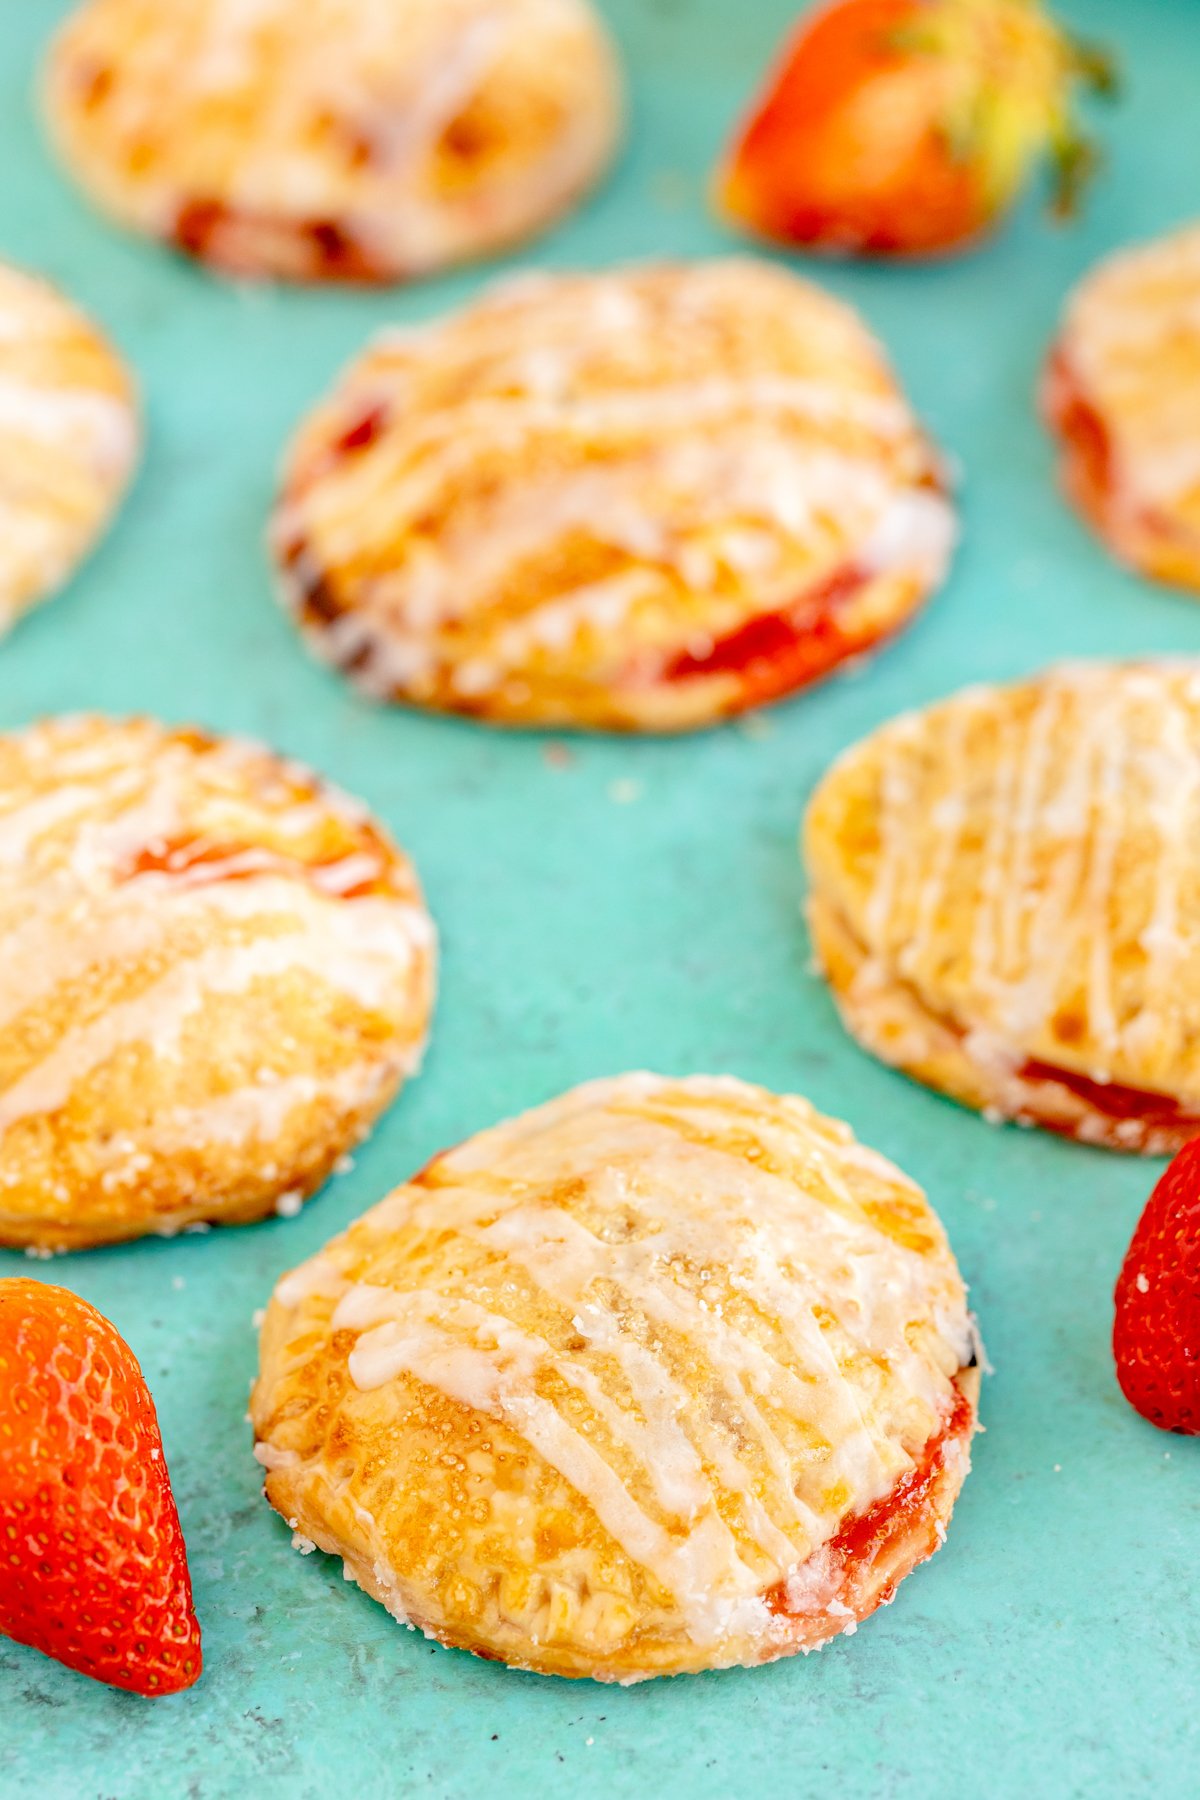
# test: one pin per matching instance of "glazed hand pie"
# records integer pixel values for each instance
(365, 140)
(663, 1376)
(214, 972)
(68, 439)
(1005, 899)
(642, 500)
(1122, 391)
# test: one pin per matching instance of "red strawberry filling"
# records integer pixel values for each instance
(199, 862)
(1092, 472)
(1151, 1111)
(361, 433)
(1113, 1099)
(882, 1537)
(779, 652)
(782, 650)
(771, 655)
(317, 249)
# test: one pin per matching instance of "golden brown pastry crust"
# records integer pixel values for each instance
(1122, 391)
(68, 439)
(1005, 899)
(663, 1376)
(335, 141)
(643, 500)
(214, 972)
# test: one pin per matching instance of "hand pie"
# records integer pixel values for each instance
(1005, 899)
(68, 439)
(1122, 391)
(362, 140)
(663, 1376)
(214, 972)
(639, 501)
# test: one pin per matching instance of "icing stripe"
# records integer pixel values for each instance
(597, 476)
(68, 438)
(1132, 343)
(149, 879)
(743, 1337)
(157, 1018)
(1036, 867)
(324, 143)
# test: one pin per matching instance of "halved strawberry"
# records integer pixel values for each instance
(1156, 1336)
(907, 127)
(93, 1569)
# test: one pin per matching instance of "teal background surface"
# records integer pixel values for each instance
(1052, 1648)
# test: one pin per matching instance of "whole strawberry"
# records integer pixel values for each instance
(92, 1564)
(1156, 1337)
(908, 127)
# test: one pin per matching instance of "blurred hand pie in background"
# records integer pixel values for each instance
(340, 139)
(643, 500)
(1122, 392)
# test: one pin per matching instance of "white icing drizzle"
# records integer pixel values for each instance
(566, 1260)
(97, 427)
(743, 480)
(155, 1020)
(68, 438)
(803, 1312)
(1173, 809)
(319, 1275)
(100, 959)
(258, 1113)
(261, 109)
(1029, 814)
(22, 823)
(415, 1333)
(149, 923)
(1132, 338)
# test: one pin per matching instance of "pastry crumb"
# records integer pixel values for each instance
(624, 792)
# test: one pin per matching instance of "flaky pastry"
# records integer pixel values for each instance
(68, 439)
(1122, 391)
(1005, 899)
(642, 500)
(214, 972)
(362, 140)
(665, 1375)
